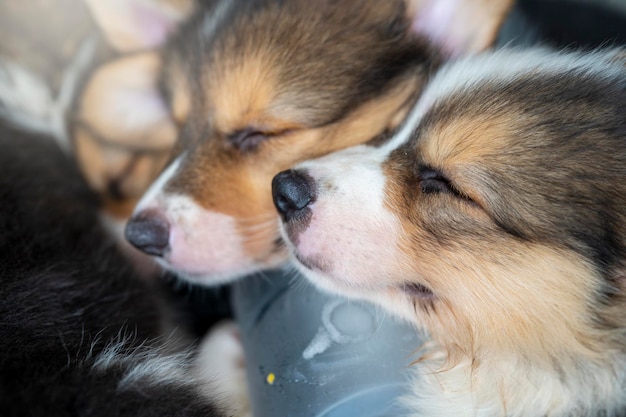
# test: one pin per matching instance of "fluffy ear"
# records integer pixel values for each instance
(121, 115)
(459, 26)
(131, 25)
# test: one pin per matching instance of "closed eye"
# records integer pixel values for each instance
(248, 139)
(433, 181)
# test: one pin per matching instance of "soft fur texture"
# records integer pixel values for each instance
(495, 220)
(80, 334)
(259, 85)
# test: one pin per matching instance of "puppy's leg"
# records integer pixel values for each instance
(221, 359)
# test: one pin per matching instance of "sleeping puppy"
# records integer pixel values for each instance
(259, 85)
(80, 333)
(495, 220)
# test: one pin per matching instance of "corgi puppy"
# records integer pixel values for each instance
(258, 85)
(495, 220)
(80, 333)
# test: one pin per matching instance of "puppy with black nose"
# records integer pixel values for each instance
(494, 219)
(258, 86)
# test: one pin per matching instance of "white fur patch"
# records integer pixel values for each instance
(221, 359)
(530, 391)
(502, 66)
(205, 246)
(506, 65)
(146, 364)
(350, 234)
(154, 193)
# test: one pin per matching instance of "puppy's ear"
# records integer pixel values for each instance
(131, 25)
(459, 27)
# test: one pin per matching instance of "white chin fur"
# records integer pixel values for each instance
(210, 278)
(205, 246)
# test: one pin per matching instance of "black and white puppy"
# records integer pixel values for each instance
(494, 219)
(80, 335)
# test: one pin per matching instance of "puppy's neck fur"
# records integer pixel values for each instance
(511, 386)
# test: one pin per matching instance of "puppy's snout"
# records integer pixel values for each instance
(292, 191)
(149, 232)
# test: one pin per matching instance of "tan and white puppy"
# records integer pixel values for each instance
(257, 86)
(494, 219)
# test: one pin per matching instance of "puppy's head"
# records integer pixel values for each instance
(495, 217)
(258, 86)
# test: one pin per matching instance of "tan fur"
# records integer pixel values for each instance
(242, 94)
(248, 197)
(465, 141)
(259, 87)
(181, 94)
(498, 298)
(99, 103)
(110, 145)
(495, 222)
(536, 326)
(518, 278)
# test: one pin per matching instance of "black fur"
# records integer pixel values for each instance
(66, 295)
(571, 24)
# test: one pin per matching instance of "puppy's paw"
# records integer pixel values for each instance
(221, 362)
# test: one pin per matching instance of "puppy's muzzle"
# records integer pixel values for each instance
(149, 232)
(293, 191)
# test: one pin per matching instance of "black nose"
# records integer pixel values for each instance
(148, 232)
(292, 192)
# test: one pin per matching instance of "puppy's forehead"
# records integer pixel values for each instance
(312, 61)
(507, 65)
(483, 106)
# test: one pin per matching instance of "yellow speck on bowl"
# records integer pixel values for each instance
(270, 378)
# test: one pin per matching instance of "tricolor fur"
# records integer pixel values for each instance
(259, 85)
(495, 220)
